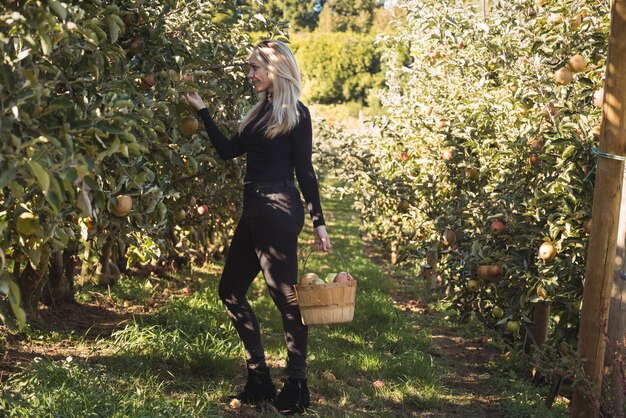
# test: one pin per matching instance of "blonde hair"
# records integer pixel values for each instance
(282, 68)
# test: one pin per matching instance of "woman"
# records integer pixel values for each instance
(276, 136)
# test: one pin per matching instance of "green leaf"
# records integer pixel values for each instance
(109, 127)
(20, 315)
(46, 44)
(14, 291)
(42, 175)
(6, 317)
(54, 201)
(7, 176)
(221, 19)
(55, 185)
(114, 29)
(9, 79)
(83, 203)
(90, 36)
(260, 17)
(58, 8)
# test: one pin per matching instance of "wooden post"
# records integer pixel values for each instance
(616, 332)
(617, 338)
(601, 263)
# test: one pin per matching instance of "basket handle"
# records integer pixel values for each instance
(336, 252)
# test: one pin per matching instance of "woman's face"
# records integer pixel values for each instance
(258, 75)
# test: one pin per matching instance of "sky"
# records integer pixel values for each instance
(387, 4)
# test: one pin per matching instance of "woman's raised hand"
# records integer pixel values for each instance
(322, 241)
(194, 100)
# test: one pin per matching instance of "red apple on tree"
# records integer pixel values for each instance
(203, 210)
(495, 271)
(482, 272)
(598, 97)
(547, 251)
(534, 160)
(536, 144)
(448, 153)
(147, 82)
(448, 237)
(497, 227)
(122, 206)
(471, 173)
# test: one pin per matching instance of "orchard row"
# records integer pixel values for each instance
(102, 166)
(479, 179)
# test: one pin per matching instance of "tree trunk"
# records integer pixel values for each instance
(121, 259)
(601, 263)
(431, 273)
(59, 288)
(394, 253)
(84, 269)
(31, 280)
(107, 272)
(537, 335)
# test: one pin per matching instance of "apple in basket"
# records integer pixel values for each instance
(309, 278)
(343, 277)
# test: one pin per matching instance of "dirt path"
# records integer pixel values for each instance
(86, 321)
(465, 374)
(465, 365)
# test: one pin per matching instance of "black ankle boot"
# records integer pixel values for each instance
(293, 397)
(259, 387)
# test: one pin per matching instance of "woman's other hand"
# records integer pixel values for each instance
(322, 242)
(194, 100)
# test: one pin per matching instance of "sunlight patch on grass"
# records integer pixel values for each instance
(76, 388)
(190, 333)
(182, 356)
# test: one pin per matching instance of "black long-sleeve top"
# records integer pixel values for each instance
(275, 159)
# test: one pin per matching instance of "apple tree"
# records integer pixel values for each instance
(481, 173)
(100, 160)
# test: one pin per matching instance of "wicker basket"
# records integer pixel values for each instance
(330, 303)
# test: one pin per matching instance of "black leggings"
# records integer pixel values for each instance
(266, 239)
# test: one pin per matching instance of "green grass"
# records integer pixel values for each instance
(75, 387)
(183, 358)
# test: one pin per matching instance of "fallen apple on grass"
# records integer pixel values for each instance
(378, 384)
